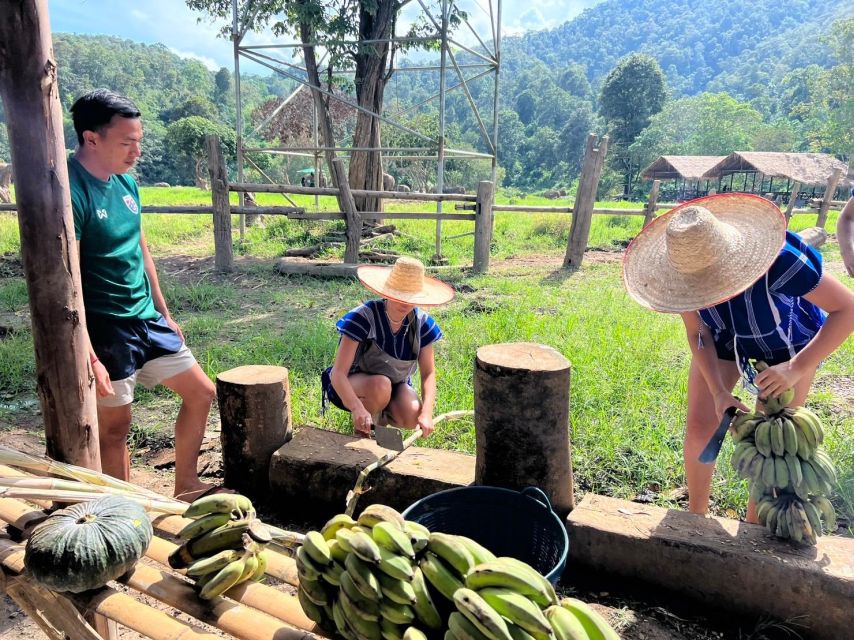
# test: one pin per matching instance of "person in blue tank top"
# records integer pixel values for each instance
(383, 342)
(133, 338)
(747, 290)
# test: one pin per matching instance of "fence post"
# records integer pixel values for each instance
(585, 198)
(348, 206)
(223, 252)
(483, 218)
(828, 198)
(793, 197)
(649, 214)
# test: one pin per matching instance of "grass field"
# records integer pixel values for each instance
(629, 365)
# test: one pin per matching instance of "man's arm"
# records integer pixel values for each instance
(156, 293)
(845, 234)
(103, 386)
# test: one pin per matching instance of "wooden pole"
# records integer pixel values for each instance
(30, 93)
(255, 412)
(793, 196)
(649, 210)
(591, 170)
(828, 198)
(483, 226)
(521, 420)
(348, 206)
(223, 250)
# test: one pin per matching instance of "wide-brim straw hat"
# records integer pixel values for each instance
(703, 252)
(405, 282)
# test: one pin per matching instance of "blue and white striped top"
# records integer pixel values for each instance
(771, 320)
(369, 321)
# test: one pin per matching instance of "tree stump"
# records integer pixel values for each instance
(813, 236)
(255, 410)
(521, 418)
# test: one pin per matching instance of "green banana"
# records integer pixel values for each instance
(341, 621)
(500, 573)
(219, 503)
(477, 550)
(375, 513)
(228, 536)
(762, 507)
(332, 573)
(806, 422)
(342, 537)
(814, 475)
(414, 633)
(440, 575)
(450, 549)
(796, 477)
(390, 536)
(768, 473)
(336, 522)
(249, 568)
(336, 551)
(396, 613)
(315, 591)
(425, 610)
(805, 451)
(595, 625)
(778, 446)
(518, 609)
(313, 611)
(823, 465)
(419, 535)
(203, 525)
(226, 578)
(771, 518)
(213, 563)
(307, 568)
(518, 633)
(546, 587)
(366, 608)
(394, 565)
(566, 626)
(261, 569)
(315, 545)
(790, 435)
(782, 528)
(364, 579)
(390, 630)
(464, 629)
(828, 513)
(368, 629)
(395, 589)
(744, 424)
(762, 437)
(781, 473)
(479, 613)
(364, 546)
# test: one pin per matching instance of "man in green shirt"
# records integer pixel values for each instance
(133, 338)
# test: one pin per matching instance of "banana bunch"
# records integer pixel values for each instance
(789, 516)
(790, 474)
(381, 577)
(223, 545)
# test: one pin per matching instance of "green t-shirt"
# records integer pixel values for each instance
(107, 224)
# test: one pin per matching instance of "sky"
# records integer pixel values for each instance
(171, 23)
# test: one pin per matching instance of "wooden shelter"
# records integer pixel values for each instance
(687, 172)
(774, 173)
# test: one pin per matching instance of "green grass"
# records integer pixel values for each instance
(629, 366)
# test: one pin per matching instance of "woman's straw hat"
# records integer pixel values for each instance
(405, 282)
(703, 252)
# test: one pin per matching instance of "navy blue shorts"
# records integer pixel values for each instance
(124, 345)
(329, 393)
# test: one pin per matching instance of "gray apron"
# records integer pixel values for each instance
(373, 360)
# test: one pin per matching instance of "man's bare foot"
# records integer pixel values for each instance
(203, 489)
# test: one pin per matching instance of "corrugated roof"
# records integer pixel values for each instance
(806, 168)
(685, 167)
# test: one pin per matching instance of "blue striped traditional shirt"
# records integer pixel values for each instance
(771, 320)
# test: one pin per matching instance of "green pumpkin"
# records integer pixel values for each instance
(88, 544)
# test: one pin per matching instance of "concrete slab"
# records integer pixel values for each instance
(313, 472)
(725, 563)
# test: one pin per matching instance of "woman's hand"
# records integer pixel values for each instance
(724, 400)
(425, 421)
(362, 422)
(775, 380)
(103, 386)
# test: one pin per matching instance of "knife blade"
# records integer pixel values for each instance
(713, 448)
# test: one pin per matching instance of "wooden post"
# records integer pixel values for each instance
(793, 196)
(828, 198)
(483, 225)
(255, 411)
(223, 250)
(348, 206)
(582, 210)
(649, 210)
(30, 93)
(521, 420)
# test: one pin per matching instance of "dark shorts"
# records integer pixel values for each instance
(329, 393)
(124, 345)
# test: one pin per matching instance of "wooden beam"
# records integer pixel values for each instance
(483, 226)
(223, 250)
(649, 209)
(588, 183)
(828, 198)
(319, 270)
(30, 93)
(793, 196)
(327, 191)
(351, 213)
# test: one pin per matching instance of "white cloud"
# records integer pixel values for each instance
(210, 63)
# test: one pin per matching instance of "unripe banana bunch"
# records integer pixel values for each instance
(223, 545)
(791, 517)
(382, 577)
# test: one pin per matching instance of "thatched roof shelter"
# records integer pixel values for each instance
(810, 169)
(680, 167)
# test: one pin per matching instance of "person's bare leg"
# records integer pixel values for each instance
(197, 393)
(373, 390)
(700, 425)
(113, 430)
(404, 406)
